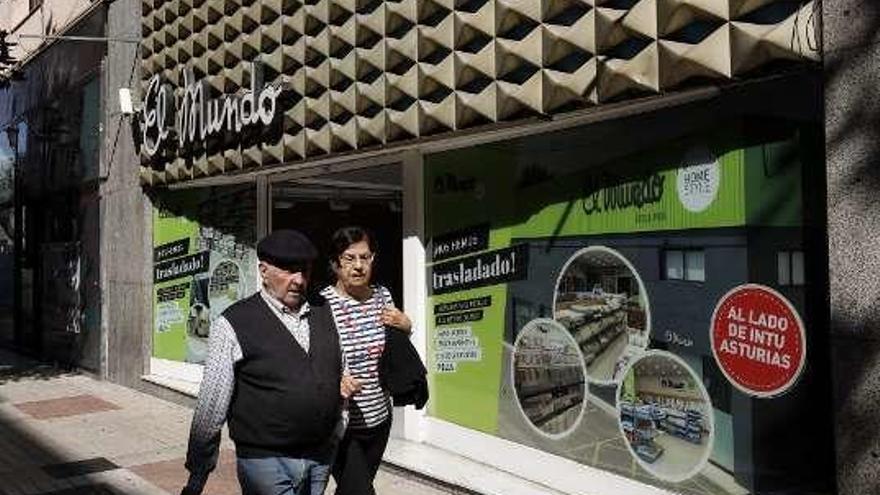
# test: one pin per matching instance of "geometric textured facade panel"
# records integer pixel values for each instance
(357, 74)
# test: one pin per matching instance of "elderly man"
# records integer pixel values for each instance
(274, 372)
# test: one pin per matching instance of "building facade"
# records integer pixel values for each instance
(609, 220)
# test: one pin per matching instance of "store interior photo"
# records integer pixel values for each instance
(665, 415)
(600, 301)
(549, 377)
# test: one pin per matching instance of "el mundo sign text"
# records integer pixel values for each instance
(195, 116)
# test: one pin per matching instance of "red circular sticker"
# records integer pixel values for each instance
(758, 340)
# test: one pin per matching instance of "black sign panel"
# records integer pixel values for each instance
(171, 250)
(464, 305)
(464, 241)
(173, 293)
(494, 267)
(456, 318)
(181, 267)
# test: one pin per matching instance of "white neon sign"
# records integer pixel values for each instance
(196, 116)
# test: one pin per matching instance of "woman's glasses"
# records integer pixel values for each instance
(353, 259)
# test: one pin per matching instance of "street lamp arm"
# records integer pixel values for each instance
(98, 39)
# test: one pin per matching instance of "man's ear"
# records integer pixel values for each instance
(263, 268)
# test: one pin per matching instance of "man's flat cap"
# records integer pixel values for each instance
(286, 249)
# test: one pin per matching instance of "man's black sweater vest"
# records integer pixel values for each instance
(286, 401)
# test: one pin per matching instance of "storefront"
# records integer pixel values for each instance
(572, 302)
(49, 210)
(623, 298)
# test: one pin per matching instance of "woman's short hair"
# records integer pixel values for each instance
(346, 236)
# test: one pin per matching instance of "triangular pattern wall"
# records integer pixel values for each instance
(364, 73)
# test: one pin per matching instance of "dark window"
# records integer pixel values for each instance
(790, 267)
(684, 264)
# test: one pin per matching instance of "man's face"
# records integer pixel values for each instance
(355, 265)
(287, 285)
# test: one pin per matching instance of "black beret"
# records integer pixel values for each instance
(286, 249)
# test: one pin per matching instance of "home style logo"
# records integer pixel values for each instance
(195, 117)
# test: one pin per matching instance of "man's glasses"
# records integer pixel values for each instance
(353, 259)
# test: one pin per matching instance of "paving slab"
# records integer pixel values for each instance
(68, 434)
(65, 406)
(170, 475)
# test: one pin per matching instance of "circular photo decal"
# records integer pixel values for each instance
(548, 377)
(601, 301)
(666, 416)
(225, 287)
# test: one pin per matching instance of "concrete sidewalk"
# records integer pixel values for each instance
(68, 434)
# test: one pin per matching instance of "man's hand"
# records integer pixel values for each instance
(196, 484)
(396, 318)
(349, 386)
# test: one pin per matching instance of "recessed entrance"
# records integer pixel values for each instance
(370, 197)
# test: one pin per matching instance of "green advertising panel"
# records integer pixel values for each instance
(572, 307)
(173, 238)
(203, 261)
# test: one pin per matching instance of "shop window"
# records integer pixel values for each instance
(204, 259)
(685, 264)
(790, 267)
(556, 286)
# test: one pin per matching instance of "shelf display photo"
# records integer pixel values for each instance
(198, 324)
(666, 416)
(549, 378)
(225, 287)
(601, 301)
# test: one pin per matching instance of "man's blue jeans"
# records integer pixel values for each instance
(282, 476)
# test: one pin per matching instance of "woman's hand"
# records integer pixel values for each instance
(349, 386)
(396, 318)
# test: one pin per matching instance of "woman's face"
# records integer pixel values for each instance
(354, 267)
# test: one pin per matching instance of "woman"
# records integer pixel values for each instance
(361, 310)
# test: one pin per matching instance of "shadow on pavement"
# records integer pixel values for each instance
(29, 464)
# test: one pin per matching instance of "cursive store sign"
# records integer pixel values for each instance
(194, 116)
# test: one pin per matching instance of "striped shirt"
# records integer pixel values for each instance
(362, 337)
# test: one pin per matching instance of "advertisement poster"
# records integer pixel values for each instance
(203, 260)
(572, 307)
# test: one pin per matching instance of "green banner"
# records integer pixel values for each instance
(203, 261)
(172, 298)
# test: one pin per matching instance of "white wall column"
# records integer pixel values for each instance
(409, 422)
